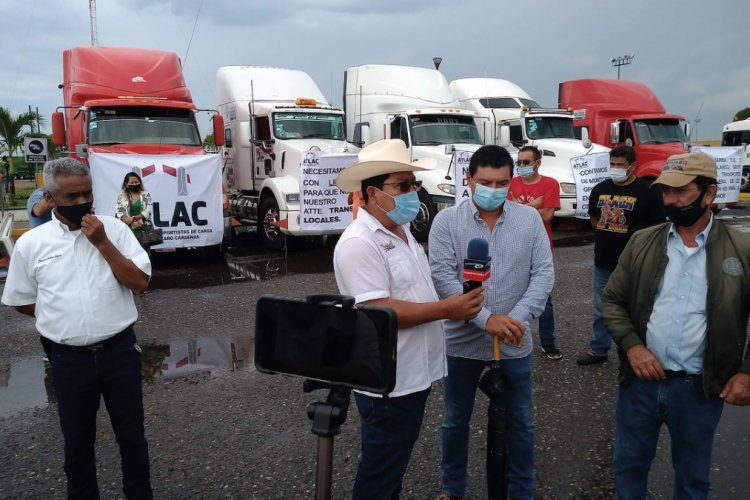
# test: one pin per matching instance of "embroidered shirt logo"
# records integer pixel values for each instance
(388, 246)
(732, 266)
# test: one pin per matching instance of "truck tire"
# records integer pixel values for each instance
(420, 227)
(270, 236)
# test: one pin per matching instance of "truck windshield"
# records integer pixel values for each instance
(549, 127)
(433, 130)
(142, 125)
(737, 138)
(659, 131)
(301, 125)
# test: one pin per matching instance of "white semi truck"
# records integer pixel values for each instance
(500, 103)
(272, 117)
(737, 133)
(416, 105)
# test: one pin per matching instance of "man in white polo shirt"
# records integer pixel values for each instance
(76, 275)
(378, 262)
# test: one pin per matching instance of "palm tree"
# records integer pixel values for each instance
(12, 133)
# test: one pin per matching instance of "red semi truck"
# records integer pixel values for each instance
(129, 110)
(618, 113)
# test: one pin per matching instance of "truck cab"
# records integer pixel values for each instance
(737, 133)
(126, 101)
(273, 117)
(511, 118)
(415, 105)
(618, 113)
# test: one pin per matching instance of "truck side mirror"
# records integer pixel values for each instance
(687, 129)
(218, 122)
(614, 132)
(58, 128)
(504, 136)
(364, 134)
(585, 139)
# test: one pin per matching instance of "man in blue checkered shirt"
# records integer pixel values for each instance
(521, 280)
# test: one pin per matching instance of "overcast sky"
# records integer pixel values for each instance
(692, 53)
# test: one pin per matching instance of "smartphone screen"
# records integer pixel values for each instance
(352, 347)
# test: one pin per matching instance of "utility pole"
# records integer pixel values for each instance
(621, 61)
(92, 17)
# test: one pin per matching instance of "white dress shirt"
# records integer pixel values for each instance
(371, 263)
(78, 299)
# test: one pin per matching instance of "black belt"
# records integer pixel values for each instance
(49, 345)
(681, 374)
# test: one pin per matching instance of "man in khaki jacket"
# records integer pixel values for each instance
(677, 306)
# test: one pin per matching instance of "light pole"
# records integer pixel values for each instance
(436, 61)
(622, 61)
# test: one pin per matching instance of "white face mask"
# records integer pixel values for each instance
(619, 175)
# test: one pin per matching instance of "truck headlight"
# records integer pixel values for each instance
(568, 187)
(447, 188)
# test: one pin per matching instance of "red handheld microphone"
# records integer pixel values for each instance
(476, 264)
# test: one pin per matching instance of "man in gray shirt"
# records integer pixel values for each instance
(521, 280)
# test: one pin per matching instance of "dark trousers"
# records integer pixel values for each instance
(389, 429)
(81, 377)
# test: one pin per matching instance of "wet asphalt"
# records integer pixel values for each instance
(219, 429)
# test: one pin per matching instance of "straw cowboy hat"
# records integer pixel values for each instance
(382, 157)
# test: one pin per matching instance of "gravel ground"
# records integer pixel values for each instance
(241, 434)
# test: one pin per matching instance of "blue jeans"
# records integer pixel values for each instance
(601, 341)
(547, 324)
(459, 389)
(389, 429)
(691, 417)
(80, 380)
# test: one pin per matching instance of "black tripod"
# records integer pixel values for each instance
(327, 417)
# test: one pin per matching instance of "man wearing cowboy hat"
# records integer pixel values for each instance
(677, 306)
(378, 262)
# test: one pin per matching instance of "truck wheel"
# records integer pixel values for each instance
(420, 227)
(745, 186)
(270, 235)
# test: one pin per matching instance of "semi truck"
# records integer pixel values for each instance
(273, 117)
(503, 104)
(415, 105)
(130, 110)
(618, 112)
(737, 133)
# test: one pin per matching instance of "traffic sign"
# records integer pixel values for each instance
(35, 149)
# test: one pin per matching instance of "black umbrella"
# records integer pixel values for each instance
(492, 385)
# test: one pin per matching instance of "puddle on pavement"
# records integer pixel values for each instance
(27, 384)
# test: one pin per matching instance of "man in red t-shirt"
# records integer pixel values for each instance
(531, 188)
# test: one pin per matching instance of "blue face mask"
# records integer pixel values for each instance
(526, 171)
(406, 209)
(489, 199)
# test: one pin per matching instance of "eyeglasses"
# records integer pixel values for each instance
(525, 162)
(405, 186)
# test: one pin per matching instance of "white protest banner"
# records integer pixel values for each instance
(588, 171)
(728, 171)
(321, 205)
(461, 162)
(185, 189)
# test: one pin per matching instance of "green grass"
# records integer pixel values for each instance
(20, 199)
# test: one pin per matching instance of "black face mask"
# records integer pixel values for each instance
(134, 188)
(689, 214)
(74, 213)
